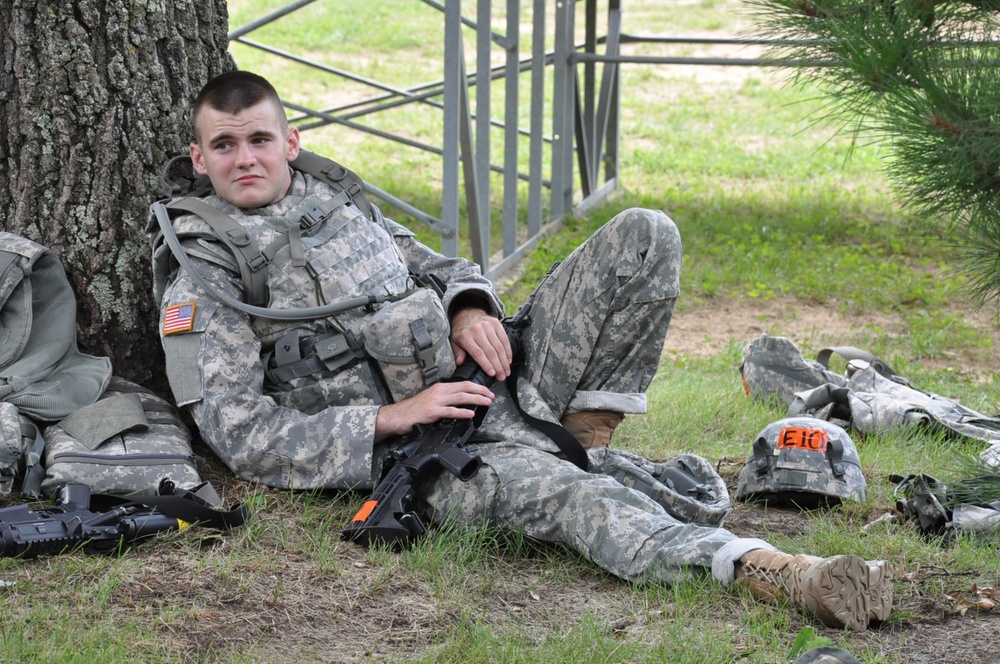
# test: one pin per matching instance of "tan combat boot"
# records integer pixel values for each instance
(593, 428)
(840, 591)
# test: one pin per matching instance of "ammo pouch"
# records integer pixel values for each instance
(129, 440)
(410, 341)
(687, 487)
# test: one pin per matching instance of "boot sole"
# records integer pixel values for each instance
(845, 591)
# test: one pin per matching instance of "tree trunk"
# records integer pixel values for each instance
(95, 96)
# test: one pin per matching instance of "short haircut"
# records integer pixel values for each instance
(233, 92)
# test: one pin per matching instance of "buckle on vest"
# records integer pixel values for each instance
(257, 262)
(425, 352)
(312, 216)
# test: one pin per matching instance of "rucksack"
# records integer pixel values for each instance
(41, 370)
(128, 440)
(59, 405)
(775, 367)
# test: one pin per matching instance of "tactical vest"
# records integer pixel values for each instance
(41, 371)
(316, 246)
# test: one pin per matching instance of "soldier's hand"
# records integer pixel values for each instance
(438, 402)
(477, 334)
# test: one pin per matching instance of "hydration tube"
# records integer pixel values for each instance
(301, 313)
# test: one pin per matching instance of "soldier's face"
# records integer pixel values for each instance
(245, 155)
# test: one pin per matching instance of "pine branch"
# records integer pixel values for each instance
(922, 75)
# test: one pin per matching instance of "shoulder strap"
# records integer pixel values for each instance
(567, 443)
(335, 175)
(7, 261)
(851, 353)
(248, 255)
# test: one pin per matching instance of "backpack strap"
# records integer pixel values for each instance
(8, 260)
(34, 469)
(336, 176)
(250, 258)
(851, 353)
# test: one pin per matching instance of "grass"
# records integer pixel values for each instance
(773, 206)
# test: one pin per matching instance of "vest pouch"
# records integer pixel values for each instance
(409, 339)
(129, 440)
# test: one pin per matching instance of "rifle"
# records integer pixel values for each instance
(389, 516)
(73, 521)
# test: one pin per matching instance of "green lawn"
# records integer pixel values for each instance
(778, 212)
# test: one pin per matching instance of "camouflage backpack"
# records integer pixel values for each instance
(43, 376)
(63, 407)
(869, 397)
(41, 370)
(128, 440)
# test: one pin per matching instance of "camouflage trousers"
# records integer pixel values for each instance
(598, 326)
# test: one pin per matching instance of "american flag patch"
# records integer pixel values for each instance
(178, 318)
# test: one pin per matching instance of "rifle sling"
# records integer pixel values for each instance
(564, 440)
(188, 506)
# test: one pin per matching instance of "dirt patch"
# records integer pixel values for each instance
(707, 329)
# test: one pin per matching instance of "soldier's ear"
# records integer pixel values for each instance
(293, 143)
(198, 159)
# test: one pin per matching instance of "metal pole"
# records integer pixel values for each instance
(536, 128)
(453, 85)
(510, 118)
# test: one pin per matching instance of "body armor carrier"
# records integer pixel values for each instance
(315, 249)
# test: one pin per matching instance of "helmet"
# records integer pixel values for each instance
(802, 460)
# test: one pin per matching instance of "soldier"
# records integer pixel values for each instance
(298, 404)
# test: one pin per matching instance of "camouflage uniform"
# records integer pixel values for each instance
(598, 326)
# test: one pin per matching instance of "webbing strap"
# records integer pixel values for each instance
(7, 261)
(336, 176)
(193, 506)
(238, 241)
(34, 469)
(305, 220)
(852, 353)
(564, 440)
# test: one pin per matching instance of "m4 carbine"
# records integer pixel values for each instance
(71, 523)
(105, 523)
(389, 516)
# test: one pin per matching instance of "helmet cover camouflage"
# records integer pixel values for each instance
(805, 461)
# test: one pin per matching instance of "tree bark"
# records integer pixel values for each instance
(95, 96)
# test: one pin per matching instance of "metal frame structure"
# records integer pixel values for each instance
(583, 108)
